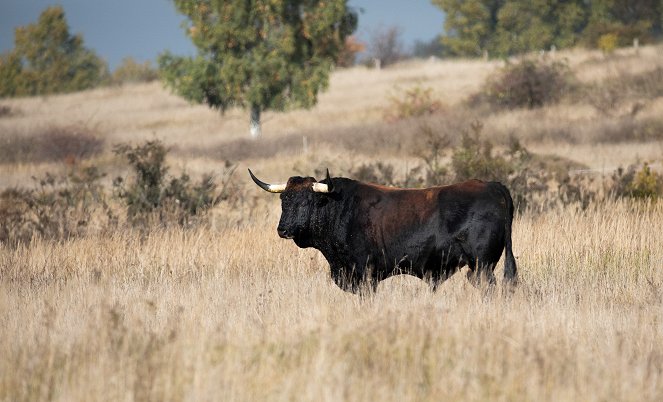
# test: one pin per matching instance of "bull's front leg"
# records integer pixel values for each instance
(355, 277)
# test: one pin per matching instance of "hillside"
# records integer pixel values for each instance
(224, 309)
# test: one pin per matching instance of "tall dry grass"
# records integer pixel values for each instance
(231, 312)
(239, 314)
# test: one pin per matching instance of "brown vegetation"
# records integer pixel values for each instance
(221, 308)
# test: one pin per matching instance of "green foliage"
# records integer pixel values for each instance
(535, 25)
(625, 19)
(131, 71)
(528, 83)
(637, 182)
(61, 207)
(607, 42)
(470, 25)
(536, 182)
(263, 55)
(48, 59)
(474, 158)
(430, 48)
(506, 27)
(153, 197)
(411, 102)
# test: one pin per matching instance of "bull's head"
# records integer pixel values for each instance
(302, 201)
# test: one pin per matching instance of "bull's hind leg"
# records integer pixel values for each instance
(481, 273)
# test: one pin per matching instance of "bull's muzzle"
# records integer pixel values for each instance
(284, 233)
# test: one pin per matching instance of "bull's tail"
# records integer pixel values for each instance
(510, 270)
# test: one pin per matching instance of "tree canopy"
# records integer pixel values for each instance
(505, 27)
(258, 54)
(48, 59)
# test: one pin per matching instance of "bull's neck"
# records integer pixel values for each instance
(331, 227)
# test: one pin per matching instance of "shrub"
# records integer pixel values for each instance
(609, 95)
(379, 172)
(386, 45)
(607, 43)
(412, 102)
(431, 153)
(131, 71)
(474, 158)
(154, 197)
(51, 144)
(58, 208)
(528, 83)
(637, 182)
(6, 111)
(348, 54)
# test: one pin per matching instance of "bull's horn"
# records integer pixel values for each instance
(272, 188)
(322, 187)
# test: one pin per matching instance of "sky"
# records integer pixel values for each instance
(142, 29)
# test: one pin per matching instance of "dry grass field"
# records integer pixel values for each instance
(228, 311)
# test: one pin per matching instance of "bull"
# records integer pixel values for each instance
(368, 232)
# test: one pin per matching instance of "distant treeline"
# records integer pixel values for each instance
(48, 59)
(506, 27)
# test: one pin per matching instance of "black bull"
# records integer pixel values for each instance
(369, 232)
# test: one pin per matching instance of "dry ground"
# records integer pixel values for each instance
(231, 312)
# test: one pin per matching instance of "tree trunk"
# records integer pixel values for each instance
(255, 121)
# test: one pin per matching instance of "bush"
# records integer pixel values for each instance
(386, 45)
(607, 43)
(348, 54)
(609, 95)
(537, 182)
(52, 144)
(131, 72)
(58, 208)
(6, 111)
(379, 172)
(412, 102)
(637, 182)
(474, 158)
(154, 197)
(529, 84)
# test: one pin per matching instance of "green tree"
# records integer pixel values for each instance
(524, 25)
(627, 19)
(258, 54)
(470, 25)
(48, 59)
(505, 27)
